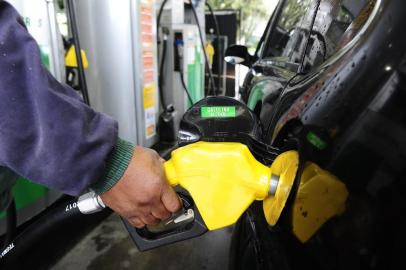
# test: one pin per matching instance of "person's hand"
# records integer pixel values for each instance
(143, 196)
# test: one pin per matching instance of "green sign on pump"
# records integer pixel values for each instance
(218, 112)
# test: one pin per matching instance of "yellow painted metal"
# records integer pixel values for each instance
(222, 178)
(285, 166)
(320, 197)
(70, 58)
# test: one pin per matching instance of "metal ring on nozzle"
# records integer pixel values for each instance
(273, 185)
(90, 203)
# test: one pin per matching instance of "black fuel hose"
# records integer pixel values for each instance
(11, 221)
(219, 49)
(161, 73)
(182, 78)
(158, 21)
(63, 214)
(163, 58)
(78, 50)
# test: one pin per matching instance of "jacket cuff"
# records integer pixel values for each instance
(117, 163)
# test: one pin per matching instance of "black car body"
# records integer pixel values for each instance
(339, 73)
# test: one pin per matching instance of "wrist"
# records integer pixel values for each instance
(116, 165)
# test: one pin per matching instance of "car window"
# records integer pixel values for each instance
(336, 24)
(288, 39)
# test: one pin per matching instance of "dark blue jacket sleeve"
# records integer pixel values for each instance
(47, 133)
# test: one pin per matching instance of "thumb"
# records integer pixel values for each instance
(170, 199)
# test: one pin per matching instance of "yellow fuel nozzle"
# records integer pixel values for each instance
(225, 178)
